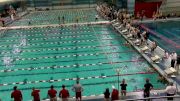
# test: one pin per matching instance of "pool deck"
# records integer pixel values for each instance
(158, 20)
(56, 25)
(129, 96)
(160, 67)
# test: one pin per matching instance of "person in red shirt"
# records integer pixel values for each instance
(52, 94)
(35, 94)
(64, 94)
(115, 94)
(16, 94)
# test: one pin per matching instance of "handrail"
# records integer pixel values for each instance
(148, 98)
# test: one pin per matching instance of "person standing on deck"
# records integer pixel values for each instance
(106, 95)
(171, 91)
(115, 94)
(16, 94)
(52, 94)
(77, 88)
(174, 59)
(35, 94)
(64, 93)
(147, 87)
(123, 87)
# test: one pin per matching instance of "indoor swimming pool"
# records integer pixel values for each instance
(165, 33)
(56, 17)
(40, 57)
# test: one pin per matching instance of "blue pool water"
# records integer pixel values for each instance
(166, 34)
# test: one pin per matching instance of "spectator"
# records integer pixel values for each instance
(106, 94)
(166, 55)
(147, 87)
(35, 94)
(173, 59)
(171, 91)
(64, 94)
(178, 63)
(77, 88)
(153, 46)
(115, 94)
(123, 88)
(16, 94)
(52, 94)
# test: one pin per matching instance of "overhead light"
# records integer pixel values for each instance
(2, 1)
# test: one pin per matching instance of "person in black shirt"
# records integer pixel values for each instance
(147, 87)
(123, 88)
(106, 95)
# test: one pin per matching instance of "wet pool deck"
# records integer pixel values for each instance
(130, 95)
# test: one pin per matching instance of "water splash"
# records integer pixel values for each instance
(7, 61)
(16, 49)
(23, 42)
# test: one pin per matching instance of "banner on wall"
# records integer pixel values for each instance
(146, 9)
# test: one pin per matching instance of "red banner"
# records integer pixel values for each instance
(146, 9)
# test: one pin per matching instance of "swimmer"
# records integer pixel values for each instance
(50, 80)
(77, 65)
(25, 81)
(52, 67)
(102, 75)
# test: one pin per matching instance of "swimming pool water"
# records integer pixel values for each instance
(91, 53)
(51, 17)
(41, 57)
(166, 34)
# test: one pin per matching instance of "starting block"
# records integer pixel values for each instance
(125, 30)
(155, 58)
(145, 48)
(170, 71)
